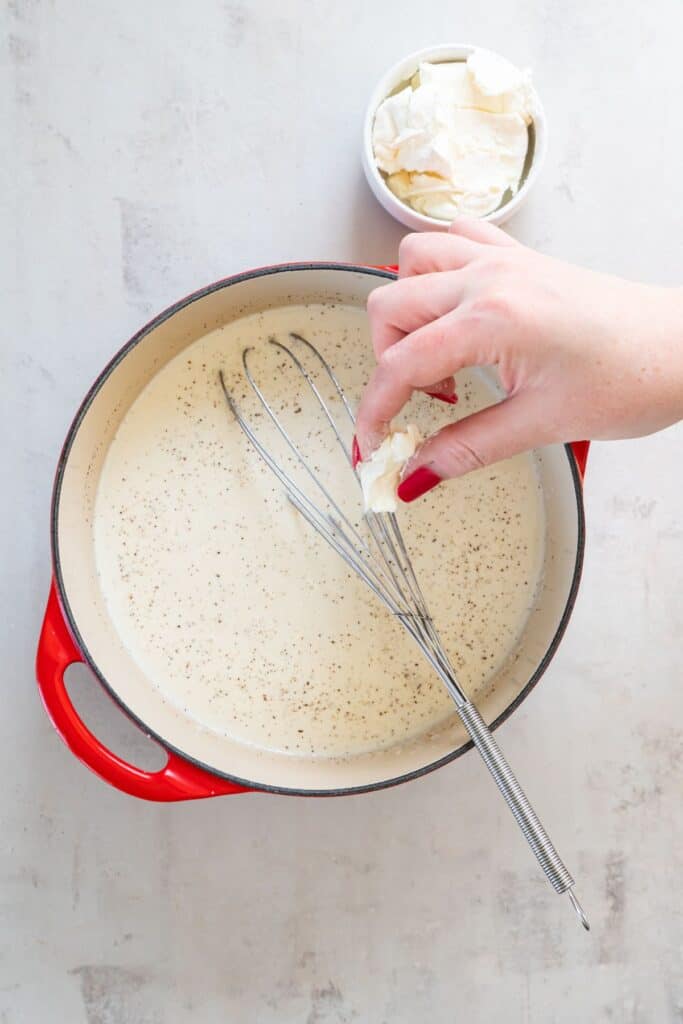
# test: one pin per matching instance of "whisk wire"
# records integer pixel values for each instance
(378, 569)
(405, 576)
(388, 571)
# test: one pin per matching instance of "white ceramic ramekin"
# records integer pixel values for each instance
(401, 72)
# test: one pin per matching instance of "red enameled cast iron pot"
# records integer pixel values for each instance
(76, 626)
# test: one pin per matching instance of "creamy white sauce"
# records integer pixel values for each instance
(238, 612)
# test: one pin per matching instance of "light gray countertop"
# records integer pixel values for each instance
(152, 148)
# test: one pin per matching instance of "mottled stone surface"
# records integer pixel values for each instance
(150, 148)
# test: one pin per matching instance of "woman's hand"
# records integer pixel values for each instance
(579, 354)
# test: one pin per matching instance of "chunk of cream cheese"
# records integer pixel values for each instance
(455, 139)
(381, 473)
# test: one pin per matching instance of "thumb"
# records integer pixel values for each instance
(498, 432)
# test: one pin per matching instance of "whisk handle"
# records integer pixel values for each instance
(525, 816)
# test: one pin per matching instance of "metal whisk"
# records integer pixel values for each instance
(383, 563)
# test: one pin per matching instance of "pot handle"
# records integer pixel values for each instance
(178, 780)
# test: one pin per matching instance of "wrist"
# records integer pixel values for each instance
(662, 327)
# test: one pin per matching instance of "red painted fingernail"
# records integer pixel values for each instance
(418, 483)
(450, 399)
(355, 453)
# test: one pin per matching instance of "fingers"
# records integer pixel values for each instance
(418, 339)
(431, 251)
(381, 401)
(498, 432)
(428, 284)
(479, 231)
(396, 309)
(432, 353)
(439, 349)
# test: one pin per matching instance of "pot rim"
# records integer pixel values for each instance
(70, 618)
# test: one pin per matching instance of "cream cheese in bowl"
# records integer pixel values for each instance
(455, 139)
(453, 130)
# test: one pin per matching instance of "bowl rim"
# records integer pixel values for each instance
(400, 71)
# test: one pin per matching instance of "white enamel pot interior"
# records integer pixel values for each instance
(93, 631)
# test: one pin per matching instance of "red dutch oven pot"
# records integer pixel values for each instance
(77, 628)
